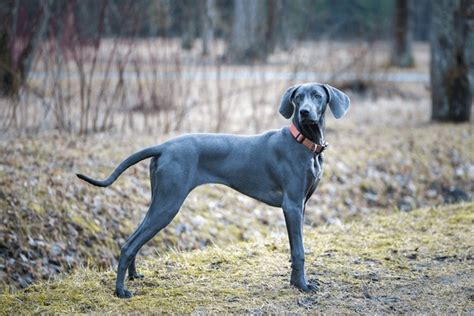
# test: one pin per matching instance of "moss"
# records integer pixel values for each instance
(87, 224)
(37, 208)
(403, 262)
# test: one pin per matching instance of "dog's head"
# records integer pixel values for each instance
(308, 102)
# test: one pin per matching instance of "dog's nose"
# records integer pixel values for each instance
(304, 112)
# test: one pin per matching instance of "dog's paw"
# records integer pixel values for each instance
(306, 287)
(311, 288)
(123, 293)
(136, 276)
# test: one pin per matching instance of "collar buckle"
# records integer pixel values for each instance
(323, 147)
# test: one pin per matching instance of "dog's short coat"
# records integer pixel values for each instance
(271, 167)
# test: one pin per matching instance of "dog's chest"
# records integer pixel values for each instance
(315, 171)
(313, 176)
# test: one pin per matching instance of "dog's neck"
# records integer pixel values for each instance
(313, 132)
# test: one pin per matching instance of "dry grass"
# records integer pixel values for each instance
(382, 156)
(405, 262)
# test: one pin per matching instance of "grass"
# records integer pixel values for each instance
(419, 261)
(45, 208)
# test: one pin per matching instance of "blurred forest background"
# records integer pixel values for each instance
(90, 66)
(85, 83)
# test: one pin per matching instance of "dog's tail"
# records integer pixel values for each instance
(124, 165)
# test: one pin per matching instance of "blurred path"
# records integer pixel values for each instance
(415, 77)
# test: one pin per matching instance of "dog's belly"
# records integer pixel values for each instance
(241, 163)
(252, 180)
(270, 195)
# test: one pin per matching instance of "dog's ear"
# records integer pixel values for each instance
(338, 101)
(286, 104)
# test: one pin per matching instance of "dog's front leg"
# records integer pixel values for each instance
(294, 225)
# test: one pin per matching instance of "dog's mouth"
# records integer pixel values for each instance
(309, 122)
(320, 139)
(316, 130)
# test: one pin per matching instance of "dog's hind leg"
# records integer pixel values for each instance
(132, 271)
(158, 217)
(132, 268)
(169, 193)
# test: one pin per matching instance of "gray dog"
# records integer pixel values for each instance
(281, 168)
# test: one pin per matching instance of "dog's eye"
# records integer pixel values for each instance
(297, 97)
(315, 95)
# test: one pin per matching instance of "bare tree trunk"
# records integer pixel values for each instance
(8, 74)
(253, 30)
(282, 27)
(452, 59)
(273, 8)
(38, 35)
(12, 75)
(209, 17)
(402, 55)
(189, 21)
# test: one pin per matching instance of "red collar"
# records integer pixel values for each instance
(300, 138)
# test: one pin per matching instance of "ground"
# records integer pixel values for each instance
(385, 263)
(60, 237)
(383, 155)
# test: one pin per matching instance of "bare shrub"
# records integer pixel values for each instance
(92, 84)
